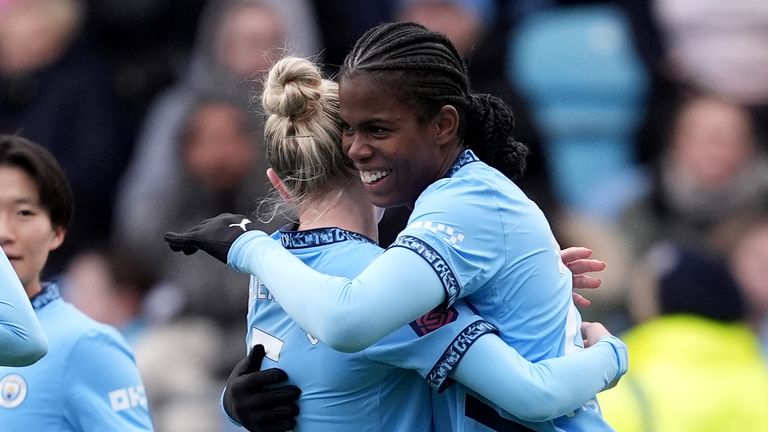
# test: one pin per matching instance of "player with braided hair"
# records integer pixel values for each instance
(419, 137)
(433, 74)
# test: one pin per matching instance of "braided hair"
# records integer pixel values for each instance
(430, 73)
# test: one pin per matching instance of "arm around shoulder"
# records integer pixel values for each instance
(347, 314)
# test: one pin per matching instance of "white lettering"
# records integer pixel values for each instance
(263, 293)
(127, 398)
(119, 400)
(137, 396)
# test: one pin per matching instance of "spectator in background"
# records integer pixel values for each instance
(182, 169)
(88, 381)
(199, 153)
(221, 168)
(695, 366)
(714, 47)
(57, 92)
(236, 42)
(712, 168)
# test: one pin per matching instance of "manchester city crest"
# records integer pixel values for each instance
(13, 391)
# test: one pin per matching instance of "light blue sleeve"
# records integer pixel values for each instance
(457, 225)
(544, 390)
(22, 340)
(455, 344)
(105, 390)
(396, 288)
(433, 344)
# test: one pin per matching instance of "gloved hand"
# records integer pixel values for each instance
(258, 409)
(213, 236)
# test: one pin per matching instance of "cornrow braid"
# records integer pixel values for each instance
(492, 120)
(425, 66)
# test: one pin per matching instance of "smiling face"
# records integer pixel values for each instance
(27, 235)
(397, 154)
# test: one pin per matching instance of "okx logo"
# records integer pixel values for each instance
(127, 398)
(433, 320)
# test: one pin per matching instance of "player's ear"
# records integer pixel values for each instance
(278, 184)
(446, 124)
(57, 238)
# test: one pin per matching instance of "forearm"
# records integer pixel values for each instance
(346, 314)
(544, 390)
(22, 340)
(20, 344)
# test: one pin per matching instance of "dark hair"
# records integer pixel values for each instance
(39, 163)
(429, 71)
(697, 283)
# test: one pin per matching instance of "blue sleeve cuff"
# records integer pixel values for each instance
(622, 358)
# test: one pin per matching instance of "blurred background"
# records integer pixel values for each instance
(646, 121)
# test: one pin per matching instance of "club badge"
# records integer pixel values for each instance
(13, 391)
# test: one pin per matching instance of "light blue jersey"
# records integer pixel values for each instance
(371, 390)
(88, 381)
(473, 235)
(22, 340)
(492, 246)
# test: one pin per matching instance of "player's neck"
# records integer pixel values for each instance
(346, 208)
(33, 287)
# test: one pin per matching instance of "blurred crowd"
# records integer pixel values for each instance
(646, 122)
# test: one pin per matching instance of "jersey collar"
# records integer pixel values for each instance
(465, 157)
(49, 293)
(292, 239)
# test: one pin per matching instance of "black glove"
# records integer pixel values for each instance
(213, 236)
(254, 407)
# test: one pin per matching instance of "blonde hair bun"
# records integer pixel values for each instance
(293, 89)
(302, 131)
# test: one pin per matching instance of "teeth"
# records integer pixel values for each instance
(372, 176)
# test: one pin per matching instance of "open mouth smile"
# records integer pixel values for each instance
(371, 177)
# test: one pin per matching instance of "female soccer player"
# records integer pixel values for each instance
(88, 380)
(336, 234)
